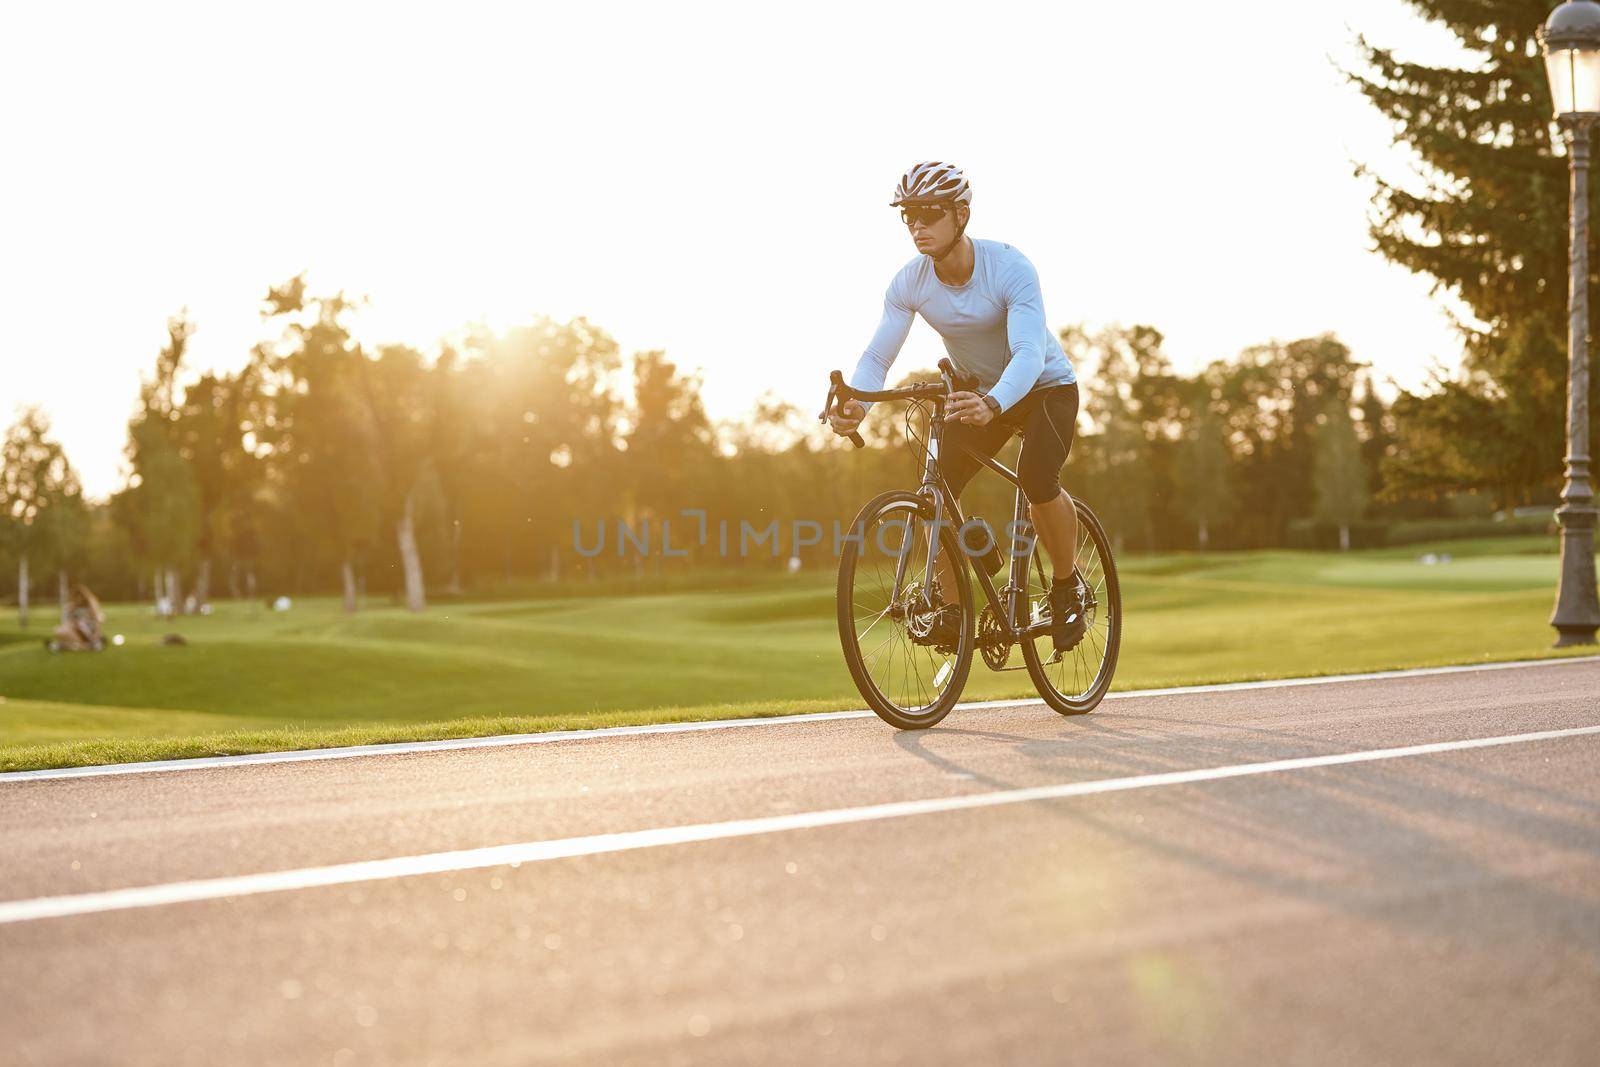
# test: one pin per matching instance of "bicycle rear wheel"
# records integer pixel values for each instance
(1075, 682)
(885, 614)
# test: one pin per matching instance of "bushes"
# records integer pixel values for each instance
(1410, 533)
(1311, 534)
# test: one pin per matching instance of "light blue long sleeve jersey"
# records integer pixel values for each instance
(993, 326)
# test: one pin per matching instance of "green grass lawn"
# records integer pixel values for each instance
(254, 680)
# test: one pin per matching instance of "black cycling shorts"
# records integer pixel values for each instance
(1046, 418)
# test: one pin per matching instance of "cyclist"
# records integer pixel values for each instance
(983, 299)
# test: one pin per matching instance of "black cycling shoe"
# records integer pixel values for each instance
(1067, 621)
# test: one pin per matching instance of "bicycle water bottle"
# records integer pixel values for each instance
(976, 532)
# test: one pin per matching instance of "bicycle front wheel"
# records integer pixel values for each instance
(1074, 682)
(906, 673)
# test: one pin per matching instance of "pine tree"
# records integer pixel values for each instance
(1488, 225)
(1376, 433)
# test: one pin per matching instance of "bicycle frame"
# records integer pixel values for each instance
(1010, 603)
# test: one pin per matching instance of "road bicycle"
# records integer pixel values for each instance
(889, 592)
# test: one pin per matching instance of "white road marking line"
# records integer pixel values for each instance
(507, 740)
(18, 911)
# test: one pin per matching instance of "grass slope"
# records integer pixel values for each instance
(253, 680)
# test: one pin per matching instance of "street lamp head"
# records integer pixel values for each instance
(1571, 40)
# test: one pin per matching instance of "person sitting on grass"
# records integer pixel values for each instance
(81, 630)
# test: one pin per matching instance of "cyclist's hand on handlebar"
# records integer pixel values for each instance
(969, 408)
(845, 420)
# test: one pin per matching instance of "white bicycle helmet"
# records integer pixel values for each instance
(932, 183)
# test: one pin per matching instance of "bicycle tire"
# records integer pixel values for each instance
(1100, 571)
(862, 662)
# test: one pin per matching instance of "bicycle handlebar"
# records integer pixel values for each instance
(914, 391)
(838, 392)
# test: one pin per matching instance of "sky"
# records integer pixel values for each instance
(710, 179)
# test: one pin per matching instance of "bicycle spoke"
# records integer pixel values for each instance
(874, 622)
(891, 574)
(878, 650)
(1077, 675)
(911, 657)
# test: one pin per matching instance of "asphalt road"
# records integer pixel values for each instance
(1432, 907)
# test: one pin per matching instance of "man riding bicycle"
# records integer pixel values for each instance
(983, 299)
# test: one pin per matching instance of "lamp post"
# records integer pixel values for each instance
(1571, 40)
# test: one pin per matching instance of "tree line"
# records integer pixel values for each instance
(325, 465)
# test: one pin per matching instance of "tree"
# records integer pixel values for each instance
(1115, 468)
(669, 440)
(1268, 400)
(321, 432)
(1487, 221)
(1204, 462)
(1340, 477)
(1376, 432)
(40, 499)
(248, 497)
(211, 430)
(161, 507)
(66, 525)
(451, 451)
(395, 390)
(545, 441)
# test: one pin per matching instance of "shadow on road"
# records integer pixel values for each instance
(1389, 842)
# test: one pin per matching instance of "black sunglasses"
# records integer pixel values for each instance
(927, 214)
